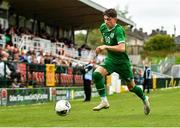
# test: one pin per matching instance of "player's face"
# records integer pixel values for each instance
(110, 22)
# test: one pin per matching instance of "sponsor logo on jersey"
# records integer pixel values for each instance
(107, 39)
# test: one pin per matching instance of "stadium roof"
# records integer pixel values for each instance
(76, 14)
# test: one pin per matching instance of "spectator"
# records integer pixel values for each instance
(87, 77)
(54, 60)
(10, 50)
(23, 57)
(79, 52)
(138, 76)
(16, 57)
(47, 59)
(4, 55)
(147, 79)
(15, 74)
(8, 38)
(4, 70)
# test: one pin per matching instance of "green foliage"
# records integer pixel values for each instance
(160, 42)
(158, 47)
(126, 110)
(177, 60)
(177, 55)
(156, 54)
(80, 39)
(94, 38)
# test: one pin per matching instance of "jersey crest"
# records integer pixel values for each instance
(112, 35)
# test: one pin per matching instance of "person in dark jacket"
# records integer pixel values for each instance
(147, 79)
(87, 77)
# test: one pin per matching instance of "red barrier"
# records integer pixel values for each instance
(78, 79)
(21, 67)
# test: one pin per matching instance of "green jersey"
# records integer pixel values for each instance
(113, 37)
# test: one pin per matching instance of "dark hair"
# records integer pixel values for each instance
(110, 13)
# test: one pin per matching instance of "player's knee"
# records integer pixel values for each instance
(130, 85)
(130, 88)
(96, 76)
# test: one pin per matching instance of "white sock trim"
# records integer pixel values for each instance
(101, 89)
(104, 99)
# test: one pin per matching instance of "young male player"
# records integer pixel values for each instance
(116, 61)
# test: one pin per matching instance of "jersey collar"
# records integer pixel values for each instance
(111, 28)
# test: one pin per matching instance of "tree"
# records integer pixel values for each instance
(160, 43)
(80, 39)
(93, 40)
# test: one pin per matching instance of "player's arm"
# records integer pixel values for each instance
(120, 37)
(116, 48)
(120, 47)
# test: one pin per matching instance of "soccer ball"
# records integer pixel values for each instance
(62, 107)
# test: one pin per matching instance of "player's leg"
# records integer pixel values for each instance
(125, 71)
(98, 78)
(139, 92)
(134, 88)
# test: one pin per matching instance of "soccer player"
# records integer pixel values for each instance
(116, 61)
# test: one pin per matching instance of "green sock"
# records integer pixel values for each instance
(138, 91)
(99, 82)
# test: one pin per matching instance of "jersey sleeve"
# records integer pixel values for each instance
(102, 27)
(120, 35)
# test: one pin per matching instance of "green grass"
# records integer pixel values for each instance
(177, 55)
(125, 110)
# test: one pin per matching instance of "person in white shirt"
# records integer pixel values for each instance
(87, 77)
(4, 68)
(147, 79)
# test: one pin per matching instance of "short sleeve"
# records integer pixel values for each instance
(120, 35)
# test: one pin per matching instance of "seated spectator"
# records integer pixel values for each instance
(15, 75)
(4, 70)
(54, 60)
(10, 51)
(16, 57)
(8, 38)
(47, 59)
(5, 55)
(23, 57)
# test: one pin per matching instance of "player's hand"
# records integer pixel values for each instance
(100, 48)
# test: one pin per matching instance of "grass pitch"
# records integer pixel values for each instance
(125, 110)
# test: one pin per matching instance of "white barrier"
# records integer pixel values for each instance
(113, 83)
(27, 42)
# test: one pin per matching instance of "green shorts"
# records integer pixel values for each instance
(123, 69)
